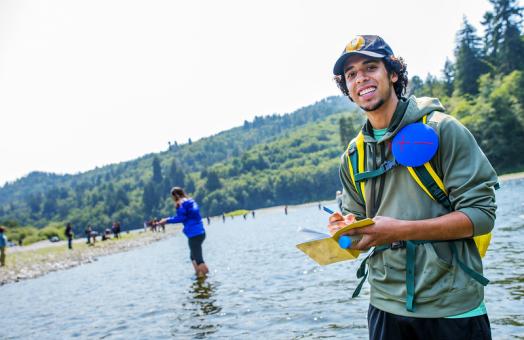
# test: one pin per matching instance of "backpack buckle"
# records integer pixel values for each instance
(398, 245)
(388, 165)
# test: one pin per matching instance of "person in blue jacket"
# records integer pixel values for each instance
(188, 213)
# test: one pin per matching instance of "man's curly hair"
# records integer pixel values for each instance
(393, 65)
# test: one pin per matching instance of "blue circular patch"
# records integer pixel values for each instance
(415, 144)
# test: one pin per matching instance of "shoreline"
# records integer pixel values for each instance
(33, 261)
(24, 264)
(512, 176)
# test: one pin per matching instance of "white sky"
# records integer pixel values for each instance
(93, 82)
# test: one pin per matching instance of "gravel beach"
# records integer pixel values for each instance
(39, 259)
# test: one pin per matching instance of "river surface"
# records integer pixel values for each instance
(260, 287)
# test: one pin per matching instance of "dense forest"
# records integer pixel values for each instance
(290, 158)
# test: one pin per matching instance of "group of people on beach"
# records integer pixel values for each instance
(92, 234)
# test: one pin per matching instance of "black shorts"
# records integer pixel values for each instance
(195, 248)
(383, 325)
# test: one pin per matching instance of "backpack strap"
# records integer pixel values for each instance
(356, 163)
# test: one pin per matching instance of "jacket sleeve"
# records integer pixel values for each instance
(467, 175)
(351, 201)
(181, 215)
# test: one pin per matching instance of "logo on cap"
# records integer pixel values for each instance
(355, 44)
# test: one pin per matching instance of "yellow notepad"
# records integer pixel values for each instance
(326, 250)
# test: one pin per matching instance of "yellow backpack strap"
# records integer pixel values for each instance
(430, 182)
(356, 163)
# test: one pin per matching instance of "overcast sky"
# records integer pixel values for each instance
(89, 83)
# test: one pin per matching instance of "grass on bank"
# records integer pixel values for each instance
(237, 213)
(48, 253)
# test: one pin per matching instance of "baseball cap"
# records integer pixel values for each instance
(369, 45)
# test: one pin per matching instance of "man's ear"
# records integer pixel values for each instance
(394, 77)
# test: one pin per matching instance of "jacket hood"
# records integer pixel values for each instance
(408, 111)
(415, 110)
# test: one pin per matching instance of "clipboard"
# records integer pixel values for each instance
(326, 250)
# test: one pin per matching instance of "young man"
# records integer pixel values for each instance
(424, 270)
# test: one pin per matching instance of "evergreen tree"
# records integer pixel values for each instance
(415, 86)
(346, 130)
(447, 75)
(212, 181)
(504, 46)
(157, 171)
(469, 65)
(149, 199)
(176, 174)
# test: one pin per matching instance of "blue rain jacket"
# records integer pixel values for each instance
(189, 215)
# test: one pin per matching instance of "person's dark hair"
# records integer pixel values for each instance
(2, 229)
(178, 192)
(393, 65)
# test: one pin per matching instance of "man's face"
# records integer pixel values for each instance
(368, 82)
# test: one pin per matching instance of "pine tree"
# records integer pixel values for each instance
(157, 171)
(504, 46)
(448, 75)
(212, 181)
(469, 65)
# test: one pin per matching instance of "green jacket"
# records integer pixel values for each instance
(441, 287)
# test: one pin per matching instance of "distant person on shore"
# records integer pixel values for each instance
(88, 232)
(253, 213)
(115, 228)
(188, 213)
(285, 209)
(429, 189)
(3, 246)
(338, 198)
(208, 220)
(69, 234)
(223, 218)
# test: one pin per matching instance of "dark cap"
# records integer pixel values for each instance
(369, 45)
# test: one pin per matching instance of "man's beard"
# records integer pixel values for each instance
(373, 107)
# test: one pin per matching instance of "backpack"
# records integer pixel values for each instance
(429, 181)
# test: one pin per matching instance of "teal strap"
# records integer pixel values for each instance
(385, 167)
(361, 273)
(475, 275)
(411, 249)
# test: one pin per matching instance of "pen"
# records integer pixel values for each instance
(344, 241)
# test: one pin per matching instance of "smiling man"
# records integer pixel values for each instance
(420, 175)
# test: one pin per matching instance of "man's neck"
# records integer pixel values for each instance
(381, 117)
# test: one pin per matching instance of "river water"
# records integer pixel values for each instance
(260, 286)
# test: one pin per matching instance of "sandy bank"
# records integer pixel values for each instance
(509, 177)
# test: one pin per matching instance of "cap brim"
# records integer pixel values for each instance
(338, 70)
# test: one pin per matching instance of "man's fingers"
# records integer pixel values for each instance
(336, 216)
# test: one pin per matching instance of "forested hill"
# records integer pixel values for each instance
(221, 171)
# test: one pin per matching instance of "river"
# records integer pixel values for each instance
(260, 286)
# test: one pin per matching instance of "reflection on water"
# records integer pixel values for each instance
(200, 304)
